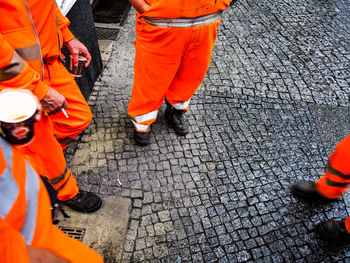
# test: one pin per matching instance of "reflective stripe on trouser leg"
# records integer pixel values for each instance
(142, 122)
(45, 155)
(181, 105)
(337, 177)
(193, 67)
(79, 113)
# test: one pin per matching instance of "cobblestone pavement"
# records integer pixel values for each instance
(277, 87)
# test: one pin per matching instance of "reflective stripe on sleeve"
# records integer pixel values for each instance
(12, 70)
(32, 190)
(30, 53)
(8, 186)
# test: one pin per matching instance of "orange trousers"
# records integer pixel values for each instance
(66, 129)
(45, 152)
(336, 180)
(170, 63)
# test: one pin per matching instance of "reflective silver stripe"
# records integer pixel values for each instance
(59, 178)
(32, 190)
(8, 186)
(12, 70)
(331, 170)
(336, 184)
(64, 141)
(146, 117)
(37, 39)
(141, 127)
(30, 53)
(181, 105)
(183, 22)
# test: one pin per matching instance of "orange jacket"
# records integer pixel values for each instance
(31, 33)
(25, 217)
(187, 8)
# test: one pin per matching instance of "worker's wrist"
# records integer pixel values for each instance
(67, 35)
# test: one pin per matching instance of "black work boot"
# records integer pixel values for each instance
(334, 231)
(84, 202)
(142, 138)
(177, 119)
(307, 190)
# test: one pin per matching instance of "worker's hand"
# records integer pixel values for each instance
(53, 102)
(141, 6)
(77, 48)
(40, 255)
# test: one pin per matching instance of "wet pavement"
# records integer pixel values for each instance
(272, 107)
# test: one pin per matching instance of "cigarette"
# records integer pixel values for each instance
(65, 113)
(119, 182)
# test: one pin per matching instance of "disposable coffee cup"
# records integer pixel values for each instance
(19, 110)
(77, 71)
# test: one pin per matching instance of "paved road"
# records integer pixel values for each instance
(272, 107)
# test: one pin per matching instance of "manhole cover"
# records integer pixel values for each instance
(77, 233)
(107, 33)
(107, 11)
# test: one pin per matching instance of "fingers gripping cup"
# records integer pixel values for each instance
(77, 71)
(19, 110)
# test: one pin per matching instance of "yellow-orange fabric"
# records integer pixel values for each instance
(32, 33)
(66, 129)
(45, 155)
(184, 9)
(337, 177)
(347, 224)
(25, 215)
(169, 62)
(24, 22)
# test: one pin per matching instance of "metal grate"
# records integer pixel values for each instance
(107, 33)
(77, 233)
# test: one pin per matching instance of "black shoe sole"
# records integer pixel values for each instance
(90, 210)
(142, 143)
(182, 133)
(341, 241)
(314, 197)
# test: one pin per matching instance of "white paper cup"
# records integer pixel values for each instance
(19, 110)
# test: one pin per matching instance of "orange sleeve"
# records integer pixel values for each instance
(63, 24)
(16, 73)
(12, 245)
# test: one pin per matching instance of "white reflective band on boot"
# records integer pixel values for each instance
(183, 22)
(140, 127)
(181, 105)
(146, 117)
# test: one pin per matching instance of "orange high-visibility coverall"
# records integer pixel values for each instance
(336, 180)
(25, 215)
(170, 62)
(31, 36)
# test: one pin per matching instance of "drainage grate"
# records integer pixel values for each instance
(107, 11)
(77, 233)
(107, 33)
